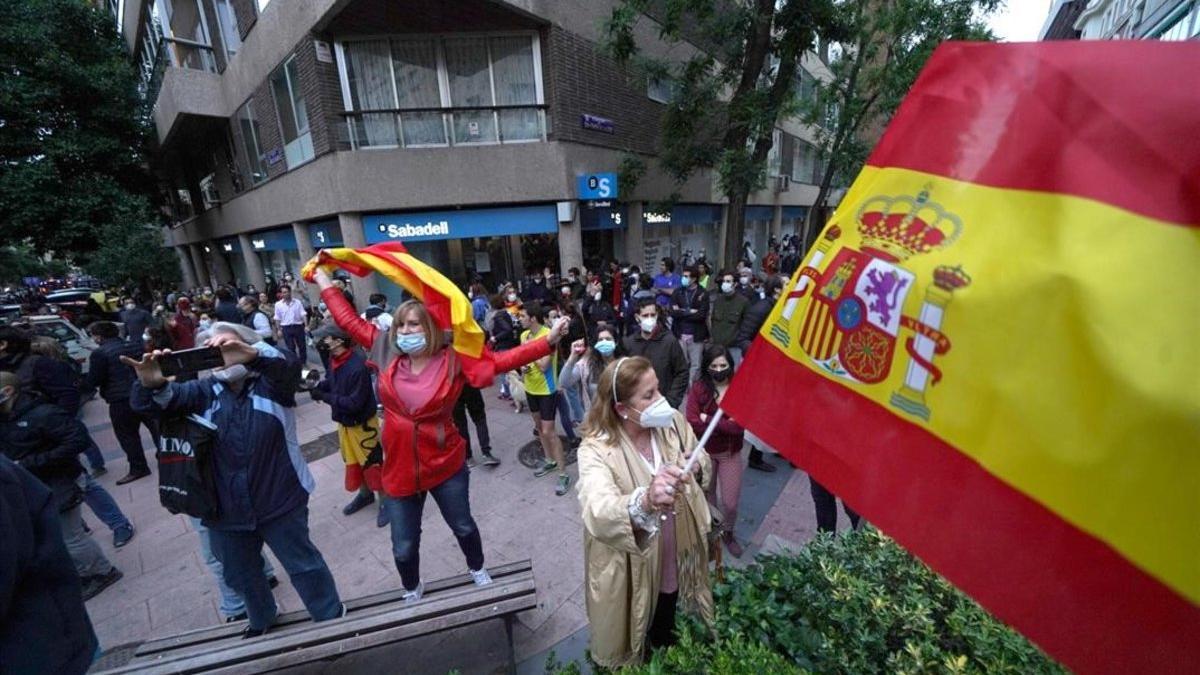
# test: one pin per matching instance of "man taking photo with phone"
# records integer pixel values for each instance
(262, 480)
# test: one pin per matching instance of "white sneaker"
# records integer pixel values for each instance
(410, 597)
(481, 577)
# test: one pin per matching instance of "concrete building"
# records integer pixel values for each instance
(1122, 20)
(460, 128)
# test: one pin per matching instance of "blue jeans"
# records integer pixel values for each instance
(91, 452)
(576, 402)
(101, 503)
(564, 417)
(240, 553)
(404, 513)
(231, 602)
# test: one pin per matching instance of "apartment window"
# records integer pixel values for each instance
(231, 39)
(249, 160)
(293, 114)
(661, 90)
(187, 34)
(1180, 25)
(805, 163)
(437, 91)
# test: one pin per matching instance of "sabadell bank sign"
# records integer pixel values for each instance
(460, 223)
(409, 231)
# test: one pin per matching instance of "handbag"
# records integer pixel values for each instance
(185, 473)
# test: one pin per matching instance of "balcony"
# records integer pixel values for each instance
(443, 126)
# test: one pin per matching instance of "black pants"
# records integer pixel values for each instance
(756, 455)
(471, 401)
(126, 426)
(826, 503)
(293, 339)
(661, 633)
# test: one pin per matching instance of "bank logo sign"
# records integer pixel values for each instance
(409, 231)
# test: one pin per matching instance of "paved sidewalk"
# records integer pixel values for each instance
(167, 589)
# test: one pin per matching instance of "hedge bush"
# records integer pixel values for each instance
(853, 604)
(858, 603)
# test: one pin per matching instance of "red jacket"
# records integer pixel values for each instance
(422, 448)
(728, 436)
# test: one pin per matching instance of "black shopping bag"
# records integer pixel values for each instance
(185, 471)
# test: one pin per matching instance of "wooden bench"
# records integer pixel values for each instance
(371, 621)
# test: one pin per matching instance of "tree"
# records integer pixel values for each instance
(73, 175)
(889, 42)
(731, 91)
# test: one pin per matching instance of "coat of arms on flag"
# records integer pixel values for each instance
(853, 318)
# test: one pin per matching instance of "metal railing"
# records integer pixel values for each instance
(441, 127)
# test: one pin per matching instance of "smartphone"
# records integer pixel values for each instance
(190, 361)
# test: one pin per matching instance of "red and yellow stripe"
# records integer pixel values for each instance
(1057, 477)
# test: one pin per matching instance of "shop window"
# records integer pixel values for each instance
(456, 90)
(250, 161)
(293, 114)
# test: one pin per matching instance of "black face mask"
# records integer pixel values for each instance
(720, 375)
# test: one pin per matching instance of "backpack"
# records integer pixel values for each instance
(185, 472)
(489, 320)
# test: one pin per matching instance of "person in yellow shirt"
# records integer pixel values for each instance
(541, 391)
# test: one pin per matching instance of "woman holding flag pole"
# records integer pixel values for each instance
(433, 348)
(642, 477)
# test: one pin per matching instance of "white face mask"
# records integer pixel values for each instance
(657, 415)
(512, 297)
(596, 297)
(130, 305)
(648, 325)
(228, 374)
(726, 286)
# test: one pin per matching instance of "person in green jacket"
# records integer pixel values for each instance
(726, 312)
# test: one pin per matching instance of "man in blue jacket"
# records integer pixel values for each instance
(44, 627)
(262, 480)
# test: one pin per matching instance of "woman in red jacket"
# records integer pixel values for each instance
(420, 381)
(725, 445)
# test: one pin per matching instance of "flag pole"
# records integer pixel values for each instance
(712, 426)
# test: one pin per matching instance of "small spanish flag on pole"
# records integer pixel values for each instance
(445, 302)
(991, 352)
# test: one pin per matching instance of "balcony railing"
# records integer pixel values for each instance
(441, 127)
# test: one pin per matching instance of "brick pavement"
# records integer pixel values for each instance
(167, 589)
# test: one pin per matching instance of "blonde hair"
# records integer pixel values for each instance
(602, 420)
(435, 337)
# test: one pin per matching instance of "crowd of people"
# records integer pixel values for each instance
(630, 364)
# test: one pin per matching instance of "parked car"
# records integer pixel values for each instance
(78, 344)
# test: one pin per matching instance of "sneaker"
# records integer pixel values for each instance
(235, 618)
(489, 460)
(471, 463)
(762, 465)
(481, 577)
(122, 535)
(252, 633)
(359, 502)
(411, 597)
(99, 471)
(94, 584)
(564, 484)
(272, 582)
(547, 467)
(381, 519)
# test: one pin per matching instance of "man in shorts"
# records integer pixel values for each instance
(541, 391)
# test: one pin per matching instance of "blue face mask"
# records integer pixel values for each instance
(606, 347)
(411, 343)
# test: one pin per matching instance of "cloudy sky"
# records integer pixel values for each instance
(1019, 20)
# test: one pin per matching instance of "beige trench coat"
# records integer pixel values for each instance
(621, 563)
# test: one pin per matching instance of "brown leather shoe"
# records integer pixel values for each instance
(131, 476)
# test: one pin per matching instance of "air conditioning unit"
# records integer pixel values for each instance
(783, 183)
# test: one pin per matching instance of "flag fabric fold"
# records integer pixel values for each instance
(989, 351)
(447, 305)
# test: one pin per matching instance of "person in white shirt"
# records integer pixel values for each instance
(289, 316)
(377, 312)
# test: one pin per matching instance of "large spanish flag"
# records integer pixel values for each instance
(447, 305)
(993, 351)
